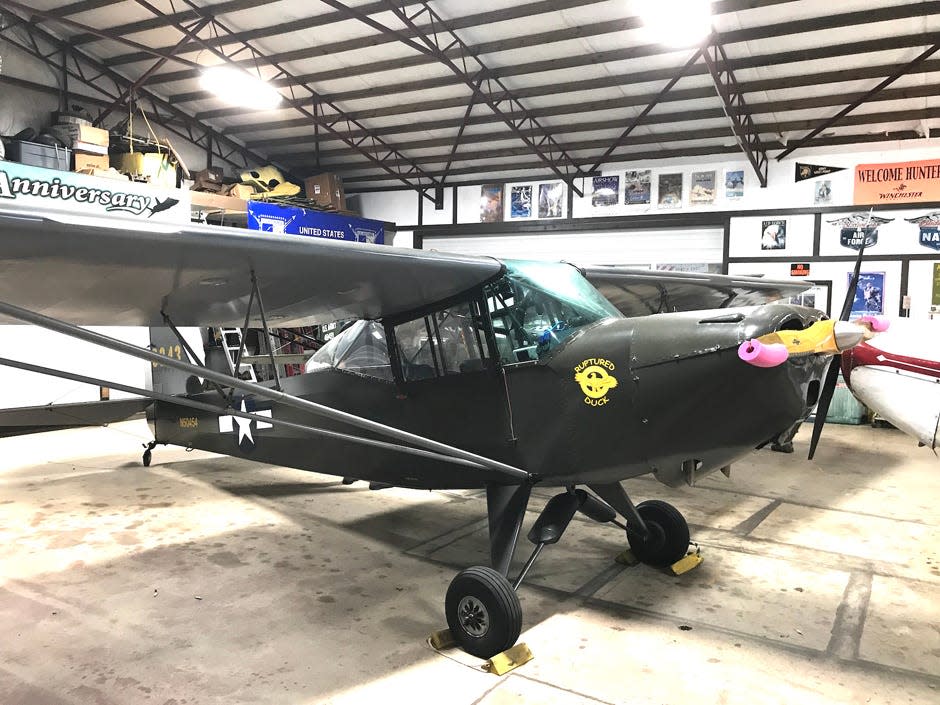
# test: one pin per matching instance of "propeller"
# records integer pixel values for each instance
(832, 373)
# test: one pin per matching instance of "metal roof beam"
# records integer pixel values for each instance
(367, 144)
(488, 173)
(319, 21)
(772, 31)
(776, 129)
(438, 40)
(570, 109)
(903, 70)
(168, 20)
(90, 72)
(732, 98)
(530, 40)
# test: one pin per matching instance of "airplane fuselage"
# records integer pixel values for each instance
(663, 394)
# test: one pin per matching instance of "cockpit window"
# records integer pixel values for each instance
(360, 348)
(447, 342)
(537, 305)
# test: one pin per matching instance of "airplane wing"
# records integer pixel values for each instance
(92, 271)
(641, 292)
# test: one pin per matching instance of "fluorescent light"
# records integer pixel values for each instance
(237, 87)
(677, 23)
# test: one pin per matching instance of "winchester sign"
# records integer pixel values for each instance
(902, 182)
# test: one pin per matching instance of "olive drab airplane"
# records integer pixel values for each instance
(461, 372)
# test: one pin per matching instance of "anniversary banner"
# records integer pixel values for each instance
(901, 182)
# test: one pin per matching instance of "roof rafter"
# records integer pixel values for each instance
(570, 109)
(774, 129)
(319, 21)
(903, 70)
(91, 73)
(522, 41)
(371, 146)
(438, 40)
(732, 98)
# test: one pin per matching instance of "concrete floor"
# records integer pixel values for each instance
(205, 579)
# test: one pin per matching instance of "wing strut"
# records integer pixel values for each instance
(512, 473)
(211, 408)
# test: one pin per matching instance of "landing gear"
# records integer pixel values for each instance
(482, 608)
(668, 538)
(148, 453)
(483, 612)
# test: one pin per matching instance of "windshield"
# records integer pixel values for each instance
(360, 348)
(537, 305)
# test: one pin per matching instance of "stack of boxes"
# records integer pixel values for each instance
(89, 144)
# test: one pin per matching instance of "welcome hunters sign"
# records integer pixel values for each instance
(901, 182)
(67, 191)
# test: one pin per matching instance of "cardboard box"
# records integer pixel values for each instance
(83, 162)
(71, 133)
(326, 190)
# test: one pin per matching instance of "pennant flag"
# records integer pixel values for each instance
(811, 171)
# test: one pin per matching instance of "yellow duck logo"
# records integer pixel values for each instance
(593, 376)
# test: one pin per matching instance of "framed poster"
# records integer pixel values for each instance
(520, 203)
(734, 184)
(605, 191)
(670, 190)
(702, 191)
(551, 199)
(636, 187)
(822, 193)
(818, 297)
(491, 204)
(773, 235)
(869, 293)
(935, 298)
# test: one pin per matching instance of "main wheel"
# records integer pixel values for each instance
(669, 534)
(483, 611)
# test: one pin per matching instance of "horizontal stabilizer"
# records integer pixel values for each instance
(52, 417)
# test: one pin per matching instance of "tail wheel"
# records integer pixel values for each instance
(668, 540)
(483, 611)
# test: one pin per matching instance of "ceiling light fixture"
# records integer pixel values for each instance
(237, 87)
(677, 23)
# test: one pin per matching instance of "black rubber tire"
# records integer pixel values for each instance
(669, 534)
(488, 588)
(147, 458)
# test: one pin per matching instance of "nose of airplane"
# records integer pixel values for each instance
(820, 338)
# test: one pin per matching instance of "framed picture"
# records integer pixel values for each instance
(520, 202)
(822, 193)
(670, 190)
(605, 191)
(702, 190)
(636, 187)
(491, 204)
(869, 293)
(734, 184)
(773, 235)
(818, 297)
(551, 199)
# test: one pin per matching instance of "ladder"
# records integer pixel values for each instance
(232, 339)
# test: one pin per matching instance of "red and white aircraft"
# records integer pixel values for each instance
(897, 375)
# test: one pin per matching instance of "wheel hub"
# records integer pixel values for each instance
(474, 619)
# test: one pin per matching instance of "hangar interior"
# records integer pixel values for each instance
(161, 157)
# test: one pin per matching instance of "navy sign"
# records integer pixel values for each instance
(856, 237)
(930, 237)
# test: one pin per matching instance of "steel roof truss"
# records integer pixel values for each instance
(732, 99)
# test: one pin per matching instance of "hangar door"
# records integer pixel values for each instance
(630, 247)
